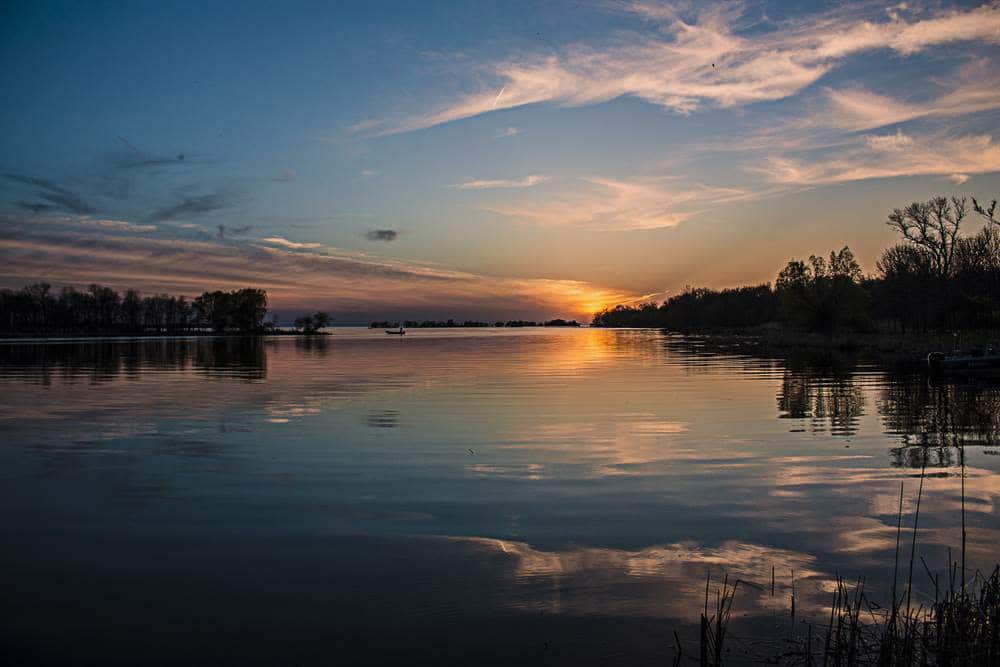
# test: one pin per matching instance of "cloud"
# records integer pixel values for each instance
(691, 63)
(526, 182)
(191, 206)
(382, 235)
(508, 132)
(366, 125)
(35, 207)
(888, 156)
(368, 173)
(55, 195)
(119, 225)
(86, 221)
(327, 277)
(889, 142)
(223, 230)
(605, 204)
(972, 88)
(293, 245)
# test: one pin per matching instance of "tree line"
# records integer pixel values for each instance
(469, 324)
(37, 309)
(935, 278)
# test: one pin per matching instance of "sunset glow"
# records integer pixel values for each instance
(552, 164)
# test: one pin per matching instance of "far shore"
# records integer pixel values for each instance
(155, 335)
(908, 349)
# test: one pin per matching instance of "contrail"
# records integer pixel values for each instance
(498, 97)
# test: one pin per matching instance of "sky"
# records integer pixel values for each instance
(478, 160)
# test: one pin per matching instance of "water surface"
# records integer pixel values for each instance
(487, 495)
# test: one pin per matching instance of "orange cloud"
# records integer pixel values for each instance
(295, 274)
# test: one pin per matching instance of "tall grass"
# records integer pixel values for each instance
(961, 627)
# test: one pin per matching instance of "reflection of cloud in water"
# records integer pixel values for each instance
(601, 406)
(615, 445)
(531, 471)
(662, 580)
(982, 487)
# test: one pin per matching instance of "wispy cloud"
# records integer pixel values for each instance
(526, 182)
(225, 231)
(191, 206)
(326, 277)
(508, 132)
(605, 204)
(292, 245)
(120, 225)
(702, 61)
(887, 156)
(972, 88)
(52, 195)
(366, 125)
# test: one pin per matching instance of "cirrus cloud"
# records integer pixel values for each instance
(691, 63)
(889, 156)
(606, 204)
(480, 184)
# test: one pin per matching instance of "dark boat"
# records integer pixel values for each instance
(972, 362)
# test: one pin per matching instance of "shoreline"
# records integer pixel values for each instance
(907, 350)
(149, 336)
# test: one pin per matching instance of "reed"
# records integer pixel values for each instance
(961, 627)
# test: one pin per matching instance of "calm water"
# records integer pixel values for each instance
(485, 495)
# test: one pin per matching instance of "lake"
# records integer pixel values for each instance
(481, 496)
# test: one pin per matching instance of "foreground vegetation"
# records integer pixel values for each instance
(961, 626)
(936, 279)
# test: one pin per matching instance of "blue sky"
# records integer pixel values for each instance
(487, 160)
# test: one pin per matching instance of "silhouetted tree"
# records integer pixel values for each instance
(34, 310)
(938, 279)
(241, 310)
(311, 324)
(824, 295)
(933, 226)
(697, 309)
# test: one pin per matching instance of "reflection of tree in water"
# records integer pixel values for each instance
(826, 394)
(313, 345)
(935, 420)
(243, 358)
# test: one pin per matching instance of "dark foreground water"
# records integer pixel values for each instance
(485, 496)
